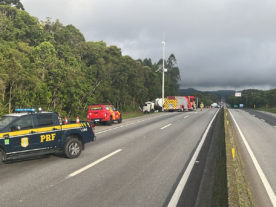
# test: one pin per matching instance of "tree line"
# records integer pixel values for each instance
(49, 65)
(252, 97)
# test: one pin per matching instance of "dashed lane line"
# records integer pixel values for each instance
(107, 130)
(177, 193)
(186, 117)
(92, 164)
(166, 126)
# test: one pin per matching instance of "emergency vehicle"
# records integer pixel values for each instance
(104, 113)
(29, 131)
(179, 103)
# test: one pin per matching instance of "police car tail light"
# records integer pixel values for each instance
(93, 125)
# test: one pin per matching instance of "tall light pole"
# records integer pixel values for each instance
(163, 75)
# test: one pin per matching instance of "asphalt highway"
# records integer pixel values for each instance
(139, 162)
(257, 138)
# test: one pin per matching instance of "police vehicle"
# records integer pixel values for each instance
(28, 131)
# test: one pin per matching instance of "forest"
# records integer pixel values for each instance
(251, 97)
(46, 64)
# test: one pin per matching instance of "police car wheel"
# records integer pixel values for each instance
(72, 148)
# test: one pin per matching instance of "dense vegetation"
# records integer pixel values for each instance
(255, 97)
(49, 65)
(207, 97)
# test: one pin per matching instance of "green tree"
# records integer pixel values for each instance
(44, 57)
(15, 3)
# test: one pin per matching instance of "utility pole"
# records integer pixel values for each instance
(163, 42)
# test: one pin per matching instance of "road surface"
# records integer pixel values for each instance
(137, 163)
(257, 142)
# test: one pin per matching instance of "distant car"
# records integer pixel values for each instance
(104, 113)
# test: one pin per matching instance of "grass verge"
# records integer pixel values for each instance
(239, 193)
(272, 110)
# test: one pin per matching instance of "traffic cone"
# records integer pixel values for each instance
(65, 120)
(77, 120)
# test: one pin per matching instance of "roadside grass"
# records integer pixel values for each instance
(272, 110)
(239, 193)
(134, 114)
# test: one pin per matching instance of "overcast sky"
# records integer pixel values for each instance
(218, 44)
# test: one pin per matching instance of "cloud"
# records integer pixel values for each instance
(226, 43)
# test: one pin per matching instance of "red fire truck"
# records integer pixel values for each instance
(179, 103)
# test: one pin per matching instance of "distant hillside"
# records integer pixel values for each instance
(224, 93)
(187, 92)
(191, 91)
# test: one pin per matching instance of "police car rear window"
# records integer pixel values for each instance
(92, 108)
(45, 120)
(5, 120)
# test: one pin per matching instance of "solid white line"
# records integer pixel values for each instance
(92, 164)
(166, 126)
(257, 166)
(177, 193)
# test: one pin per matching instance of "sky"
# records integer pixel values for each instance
(218, 44)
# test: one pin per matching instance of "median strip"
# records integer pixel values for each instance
(92, 164)
(166, 126)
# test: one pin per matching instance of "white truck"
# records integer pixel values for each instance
(148, 107)
(152, 106)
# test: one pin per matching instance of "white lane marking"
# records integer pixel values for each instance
(166, 126)
(186, 117)
(92, 164)
(177, 193)
(274, 126)
(125, 125)
(262, 119)
(257, 166)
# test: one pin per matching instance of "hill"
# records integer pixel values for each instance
(187, 92)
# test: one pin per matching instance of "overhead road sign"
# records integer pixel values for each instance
(238, 94)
